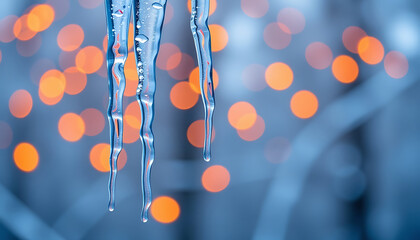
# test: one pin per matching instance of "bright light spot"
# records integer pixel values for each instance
(26, 157)
(182, 96)
(242, 115)
(165, 209)
(304, 104)
(345, 69)
(99, 157)
(279, 76)
(215, 178)
(71, 127)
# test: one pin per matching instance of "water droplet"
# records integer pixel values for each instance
(157, 6)
(141, 38)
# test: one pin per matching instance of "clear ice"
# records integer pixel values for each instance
(202, 41)
(118, 19)
(148, 18)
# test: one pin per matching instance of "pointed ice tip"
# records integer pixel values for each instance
(111, 209)
(144, 220)
(207, 159)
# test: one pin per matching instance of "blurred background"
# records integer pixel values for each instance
(316, 124)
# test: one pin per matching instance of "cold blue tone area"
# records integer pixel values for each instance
(349, 171)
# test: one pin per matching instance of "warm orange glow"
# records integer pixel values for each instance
(396, 64)
(194, 80)
(304, 104)
(90, 4)
(277, 36)
(40, 17)
(52, 86)
(6, 28)
(70, 37)
(345, 69)
(215, 178)
(75, 81)
(99, 157)
(183, 69)
(351, 37)
(182, 96)
(293, 19)
(242, 115)
(21, 29)
(318, 55)
(130, 134)
(20, 103)
(169, 56)
(219, 37)
(370, 50)
(213, 6)
(26, 157)
(165, 209)
(130, 40)
(131, 77)
(71, 127)
(195, 134)
(94, 121)
(279, 76)
(254, 9)
(132, 115)
(255, 132)
(89, 59)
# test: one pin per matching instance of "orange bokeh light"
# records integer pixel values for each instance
(345, 69)
(219, 37)
(40, 17)
(132, 115)
(304, 104)
(242, 115)
(165, 209)
(130, 134)
(279, 76)
(213, 6)
(194, 80)
(131, 77)
(26, 157)
(89, 59)
(21, 29)
(195, 134)
(396, 64)
(71, 127)
(370, 50)
(99, 157)
(75, 81)
(253, 133)
(94, 121)
(215, 178)
(182, 96)
(52, 86)
(70, 37)
(20, 103)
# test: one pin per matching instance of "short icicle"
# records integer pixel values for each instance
(148, 21)
(201, 35)
(118, 19)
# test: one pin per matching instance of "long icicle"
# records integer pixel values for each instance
(201, 35)
(118, 19)
(148, 21)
